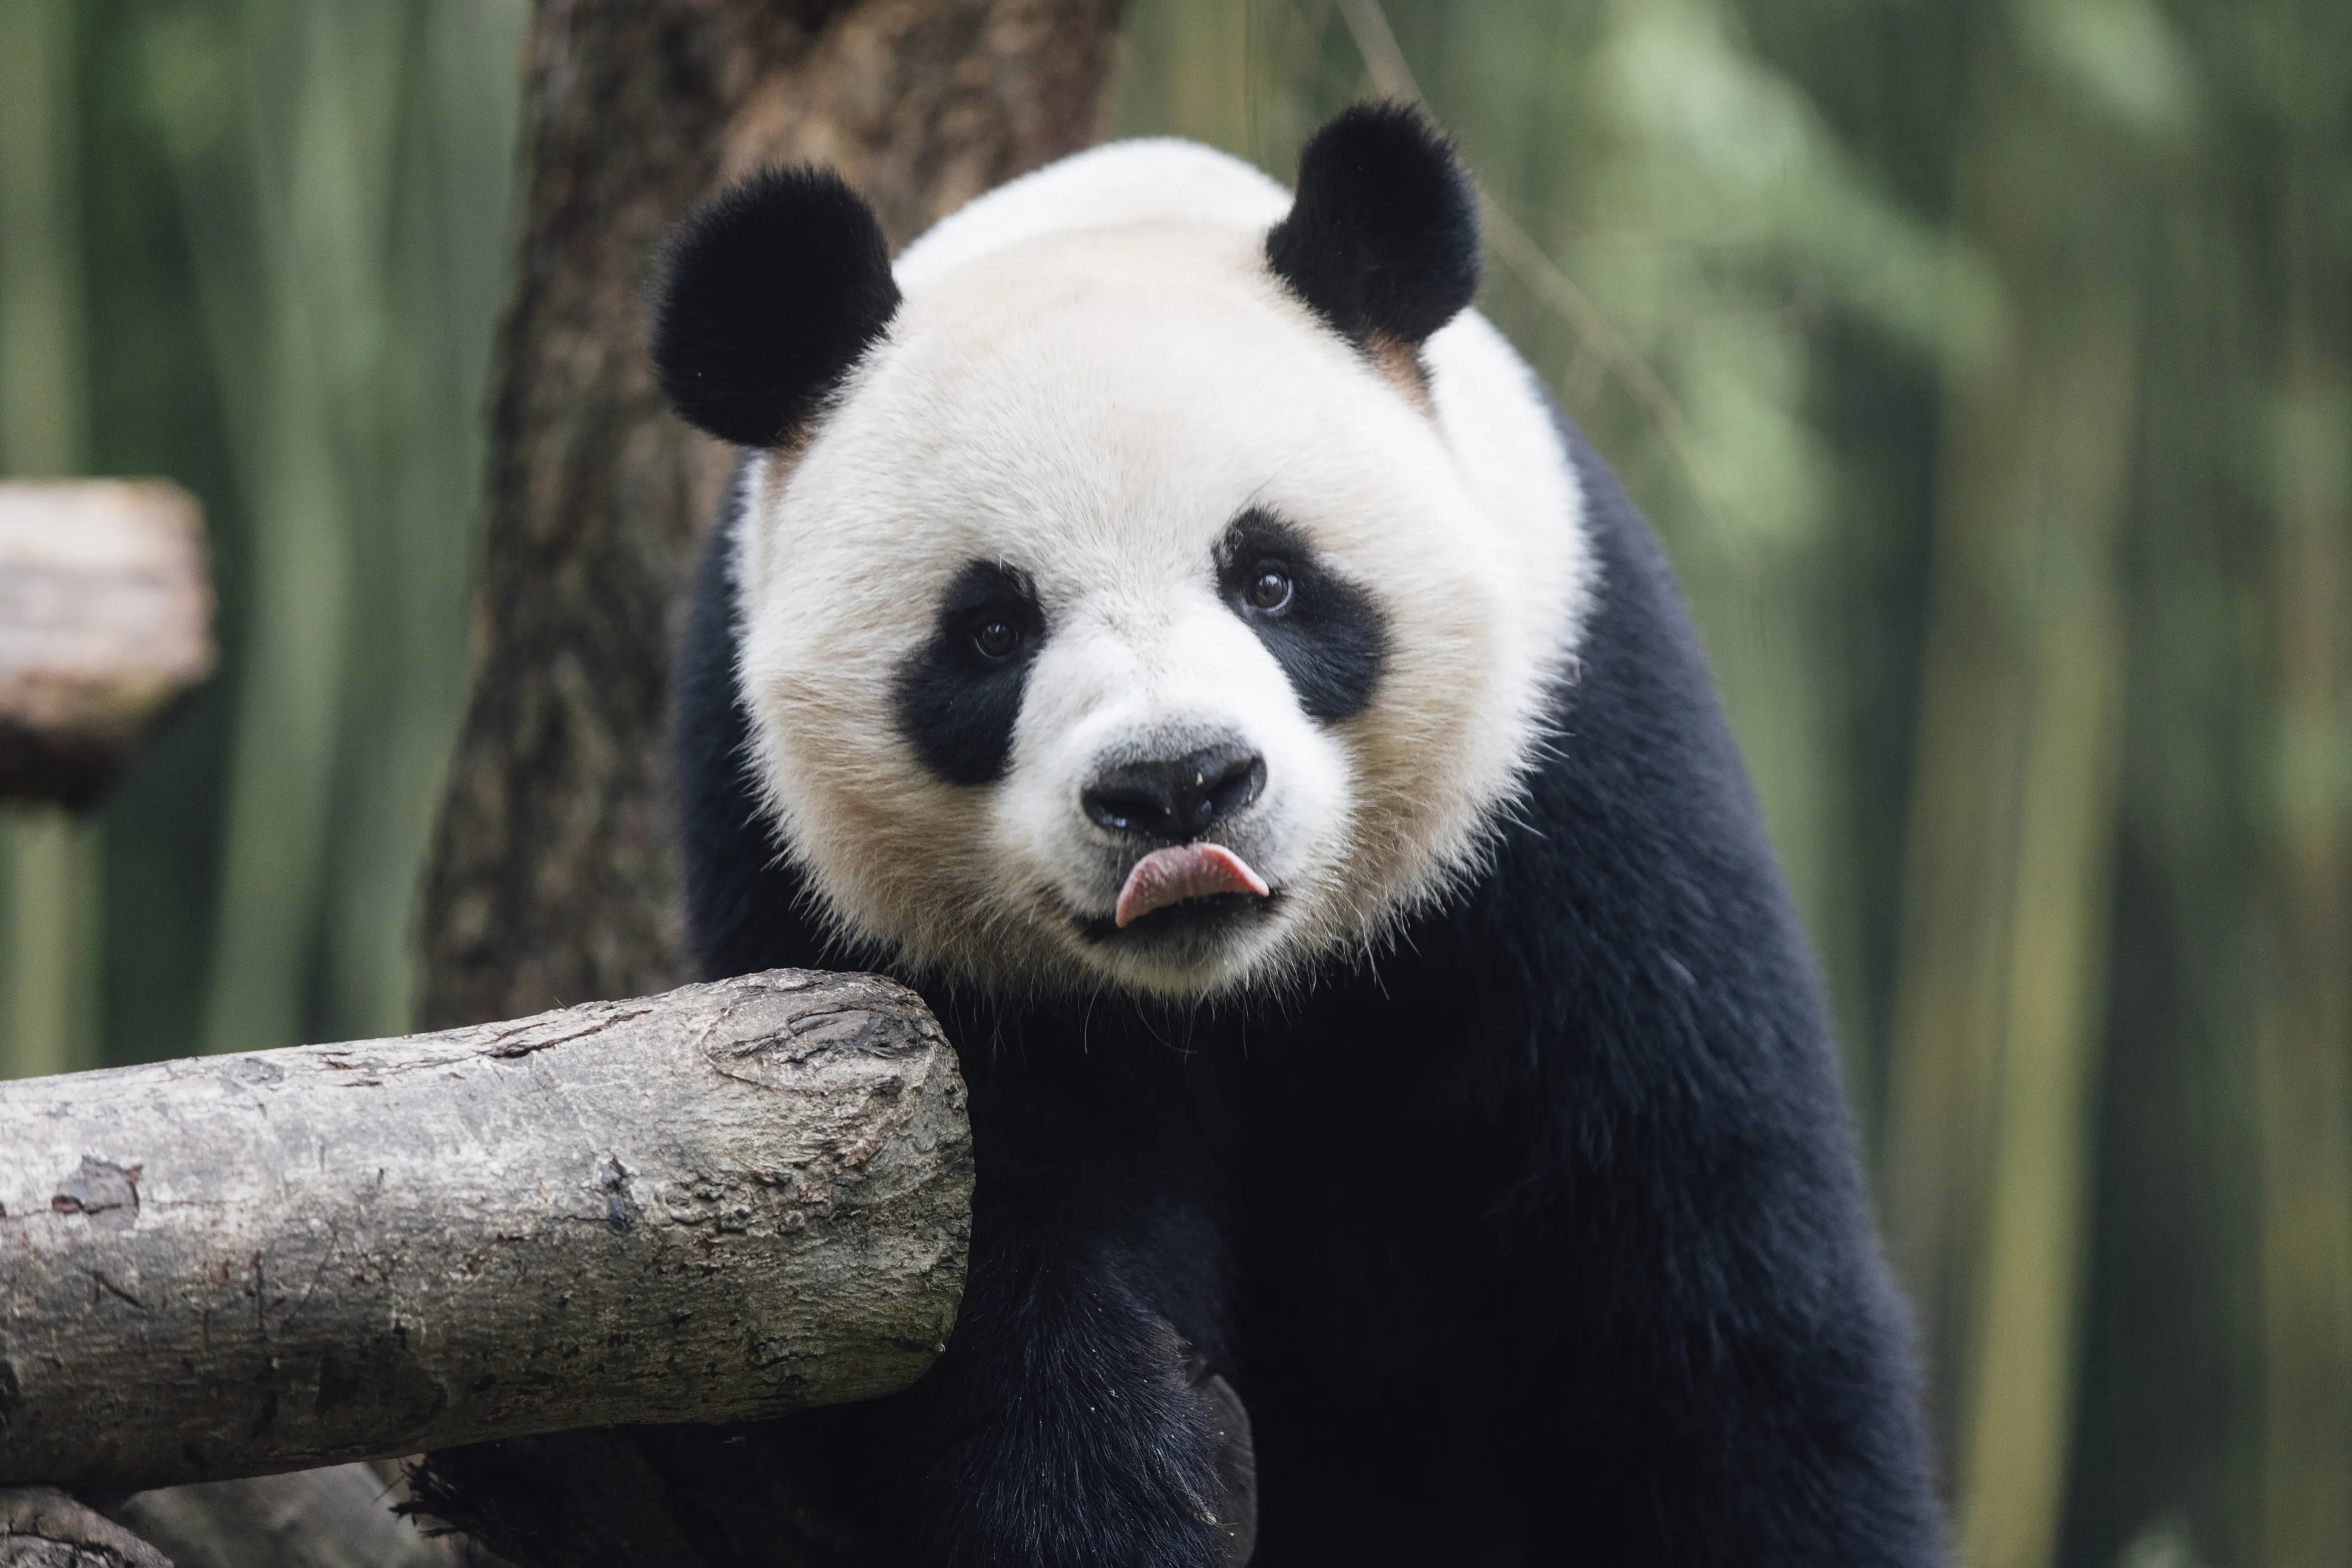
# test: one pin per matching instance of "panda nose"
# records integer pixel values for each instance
(1178, 797)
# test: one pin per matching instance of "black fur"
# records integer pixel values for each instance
(1382, 240)
(1331, 639)
(956, 701)
(1543, 1243)
(717, 818)
(768, 297)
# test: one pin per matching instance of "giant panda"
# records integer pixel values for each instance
(1159, 621)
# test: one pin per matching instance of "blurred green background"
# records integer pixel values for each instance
(1986, 364)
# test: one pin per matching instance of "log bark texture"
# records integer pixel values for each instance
(553, 874)
(105, 620)
(733, 1201)
(41, 1527)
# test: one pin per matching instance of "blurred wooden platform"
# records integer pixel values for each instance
(106, 607)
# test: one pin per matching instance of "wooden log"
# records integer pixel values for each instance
(41, 1527)
(105, 619)
(732, 1201)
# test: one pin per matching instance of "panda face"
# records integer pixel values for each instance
(1120, 625)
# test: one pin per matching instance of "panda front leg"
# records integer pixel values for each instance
(1063, 1428)
(1069, 1423)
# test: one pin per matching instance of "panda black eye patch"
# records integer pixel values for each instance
(1328, 635)
(957, 695)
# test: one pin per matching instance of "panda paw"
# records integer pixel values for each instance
(1149, 1466)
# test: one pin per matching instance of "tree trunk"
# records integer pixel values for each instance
(732, 1201)
(553, 878)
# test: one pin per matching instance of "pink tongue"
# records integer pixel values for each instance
(1188, 870)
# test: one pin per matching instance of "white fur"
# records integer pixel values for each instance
(1093, 373)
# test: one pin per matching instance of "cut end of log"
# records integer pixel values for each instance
(106, 607)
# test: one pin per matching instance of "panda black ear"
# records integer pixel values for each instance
(1382, 239)
(768, 297)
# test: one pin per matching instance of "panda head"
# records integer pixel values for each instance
(1113, 610)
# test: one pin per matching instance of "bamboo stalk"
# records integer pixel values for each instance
(2021, 1394)
(51, 864)
(405, 689)
(286, 188)
(43, 409)
(2001, 996)
(2304, 1081)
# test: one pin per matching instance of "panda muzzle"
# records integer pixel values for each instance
(1181, 871)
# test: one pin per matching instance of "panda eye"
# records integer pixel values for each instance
(996, 638)
(1269, 588)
